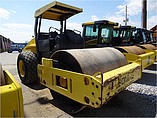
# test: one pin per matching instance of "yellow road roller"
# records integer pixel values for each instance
(85, 76)
(144, 39)
(120, 39)
(149, 48)
(75, 75)
(11, 95)
(129, 45)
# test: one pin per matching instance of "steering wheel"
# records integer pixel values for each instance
(53, 28)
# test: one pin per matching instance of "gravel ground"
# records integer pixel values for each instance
(146, 86)
(145, 91)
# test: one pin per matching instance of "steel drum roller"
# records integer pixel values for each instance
(89, 61)
(131, 49)
(149, 47)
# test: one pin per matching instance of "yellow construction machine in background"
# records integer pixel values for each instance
(129, 44)
(101, 32)
(144, 39)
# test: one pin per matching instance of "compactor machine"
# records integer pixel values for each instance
(98, 33)
(143, 36)
(86, 77)
(144, 40)
(139, 36)
(120, 38)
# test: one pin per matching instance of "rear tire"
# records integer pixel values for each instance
(27, 67)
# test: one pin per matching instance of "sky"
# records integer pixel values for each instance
(17, 16)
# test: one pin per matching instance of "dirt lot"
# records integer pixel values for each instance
(139, 99)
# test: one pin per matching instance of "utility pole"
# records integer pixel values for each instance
(126, 16)
(144, 14)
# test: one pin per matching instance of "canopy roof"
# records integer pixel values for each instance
(124, 27)
(101, 22)
(57, 11)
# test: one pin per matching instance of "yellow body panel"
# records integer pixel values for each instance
(88, 23)
(31, 46)
(155, 52)
(89, 90)
(21, 68)
(11, 97)
(147, 59)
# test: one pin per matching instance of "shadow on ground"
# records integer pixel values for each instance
(36, 86)
(148, 79)
(125, 104)
(152, 67)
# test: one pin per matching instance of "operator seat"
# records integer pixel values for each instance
(69, 40)
(52, 39)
